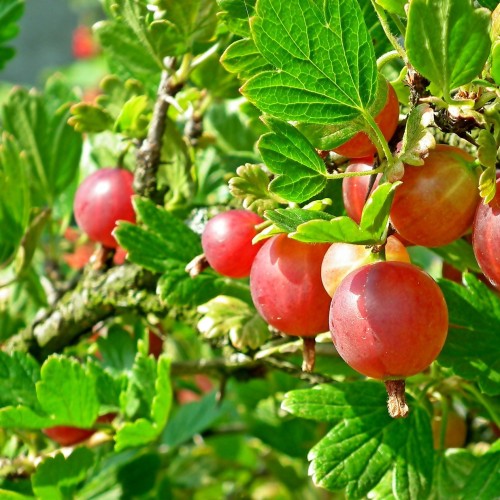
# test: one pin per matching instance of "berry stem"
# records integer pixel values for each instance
(396, 403)
(309, 354)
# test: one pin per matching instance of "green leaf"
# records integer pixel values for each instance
(487, 155)
(192, 419)
(243, 58)
(67, 390)
(452, 472)
(56, 478)
(377, 34)
(174, 173)
(471, 349)
(127, 41)
(66, 395)
(460, 255)
(177, 288)
(133, 119)
(329, 136)
(117, 349)
(495, 61)
(143, 431)
(365, 442)
(483, 480)
(30, 240)
(394, 6)
(15, 200)
(301, 174)
(163, 242)
(52, 147)
(137, 399)
(236, 14)
(290, 219)
(324, 61)
(187, 24)
(18, 375)
(414, 464)
(10, 13)
(250, 186)
(457, 36)
(372, 230)
(417, 140)
(375, 215)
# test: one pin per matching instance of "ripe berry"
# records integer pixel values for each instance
(342, 258)
(486, 238)
(436, 202)
(286, 287)
(388, 320)
(101, 200)
(356, 190)
(227, 242)
(360, 145)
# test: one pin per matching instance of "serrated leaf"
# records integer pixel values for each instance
(451, 472)
(365, 442)
(323, 57)
(127, 41)
(372, 229)
(487, 155)
(225, 315)
(67, 390)
(457, 36)
(414, 464)
(66, 395)
(15, 201)
(57, 477)
(290, 218)
(18, 375)
(137, 399)
(10, 13)
(191, 419)
(51, 146)
(235, 14)
(243, 58)
(177, 288)
(161, 243)
(417, 140)
(187, 24)
(145, 430)
(301, 174)
(483, 480)
(250, 185)
(471, 349)
(329, 136)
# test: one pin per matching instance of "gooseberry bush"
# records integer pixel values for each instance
(224, 251)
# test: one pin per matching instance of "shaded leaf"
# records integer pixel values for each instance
(457, 36)
(471, 349)
(57, 477)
